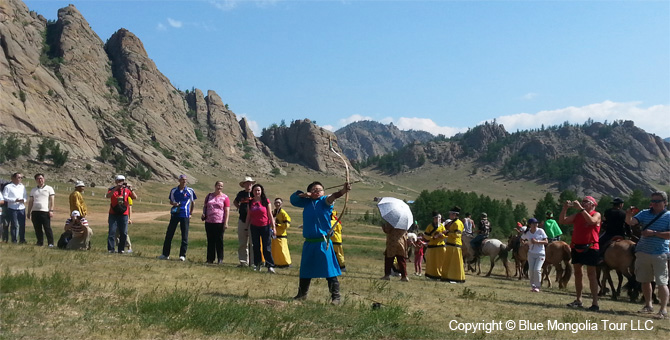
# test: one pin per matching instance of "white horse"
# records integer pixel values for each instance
(492, 248)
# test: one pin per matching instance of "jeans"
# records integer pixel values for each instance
(172, 227)
(258, 234)
(120, 222)
(535, 262)
(214, 241)
(17, 219)
(41, 220)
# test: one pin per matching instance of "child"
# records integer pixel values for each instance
(419, 248)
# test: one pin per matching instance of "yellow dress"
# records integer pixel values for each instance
(280, 253)
(337, 241)
(452, 266)
(435, 251)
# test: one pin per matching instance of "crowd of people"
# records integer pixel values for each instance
(262, 234)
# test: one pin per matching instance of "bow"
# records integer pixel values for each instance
(346, 195)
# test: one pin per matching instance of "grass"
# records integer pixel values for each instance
(49, 293)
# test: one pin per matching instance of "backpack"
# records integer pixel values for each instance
(120, 207)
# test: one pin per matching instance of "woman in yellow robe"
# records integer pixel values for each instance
(434, 235)
(280, 252)
(337, 241)
(452, 266)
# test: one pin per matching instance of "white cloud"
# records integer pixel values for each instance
(161, 27)
(174, 23)
(329, 128)
(426, 124)
(351, 119)
(654, 119)
(224, 5)
(529, 96)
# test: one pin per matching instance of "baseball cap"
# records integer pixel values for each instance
(120, 178)
(78, 184)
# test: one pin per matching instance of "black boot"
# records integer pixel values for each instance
(334, 288)
(303, 287)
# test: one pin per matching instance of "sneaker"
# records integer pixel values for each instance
(646, 310)
(110, 251)
(129, 251)
(661, 315)
(163, 257)
(335, 302)
(271, 270)
(594, 308)
(404, 279)
(575, 304)
(51, 246)
(182, 258)
(344, 270)
(257, 268)
(535, 290)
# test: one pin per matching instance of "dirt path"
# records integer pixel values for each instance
(143, 217)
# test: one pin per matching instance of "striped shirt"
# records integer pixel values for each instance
(651, 244)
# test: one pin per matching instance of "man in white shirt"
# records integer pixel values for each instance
(15, 196)
(41, 210)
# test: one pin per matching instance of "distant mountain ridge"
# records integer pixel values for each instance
(364, 139)
(610, 159)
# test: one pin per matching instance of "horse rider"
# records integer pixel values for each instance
(551, 228)
(614, 223)
(483, 231)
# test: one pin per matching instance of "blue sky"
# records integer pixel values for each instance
(439, 66)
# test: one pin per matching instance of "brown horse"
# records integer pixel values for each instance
(620, 256)
(494, 249)
(557, 254)
(519, 254)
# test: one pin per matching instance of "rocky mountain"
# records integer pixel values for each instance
(609, 159)
(110, 108)
(365, 139)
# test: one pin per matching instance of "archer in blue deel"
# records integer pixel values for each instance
(318, 257)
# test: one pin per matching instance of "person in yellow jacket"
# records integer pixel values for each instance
(435, 252)
(452, 266)
(337, 241)
(280, 253)
(77, 199)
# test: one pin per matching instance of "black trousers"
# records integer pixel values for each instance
(214, 241)
(259, 234)
(41, 220)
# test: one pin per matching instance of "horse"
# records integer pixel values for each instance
(492, 248)
(519, 254)
(620, 256)
(468, 252)
(557, 252)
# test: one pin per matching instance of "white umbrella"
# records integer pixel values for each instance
(396, 212)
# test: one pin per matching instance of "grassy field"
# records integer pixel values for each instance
(55, 294)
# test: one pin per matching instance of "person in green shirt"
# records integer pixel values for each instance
(551, 228)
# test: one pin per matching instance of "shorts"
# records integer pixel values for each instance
(588, 257)
(651, 268)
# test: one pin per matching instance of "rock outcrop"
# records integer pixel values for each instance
(58, 80)
(305, 143)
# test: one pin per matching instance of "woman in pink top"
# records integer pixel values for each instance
(262, 226)
(215, 214)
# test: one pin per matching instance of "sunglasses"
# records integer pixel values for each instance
(657, 201)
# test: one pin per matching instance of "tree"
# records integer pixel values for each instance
(58, 156)
(548, 203)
